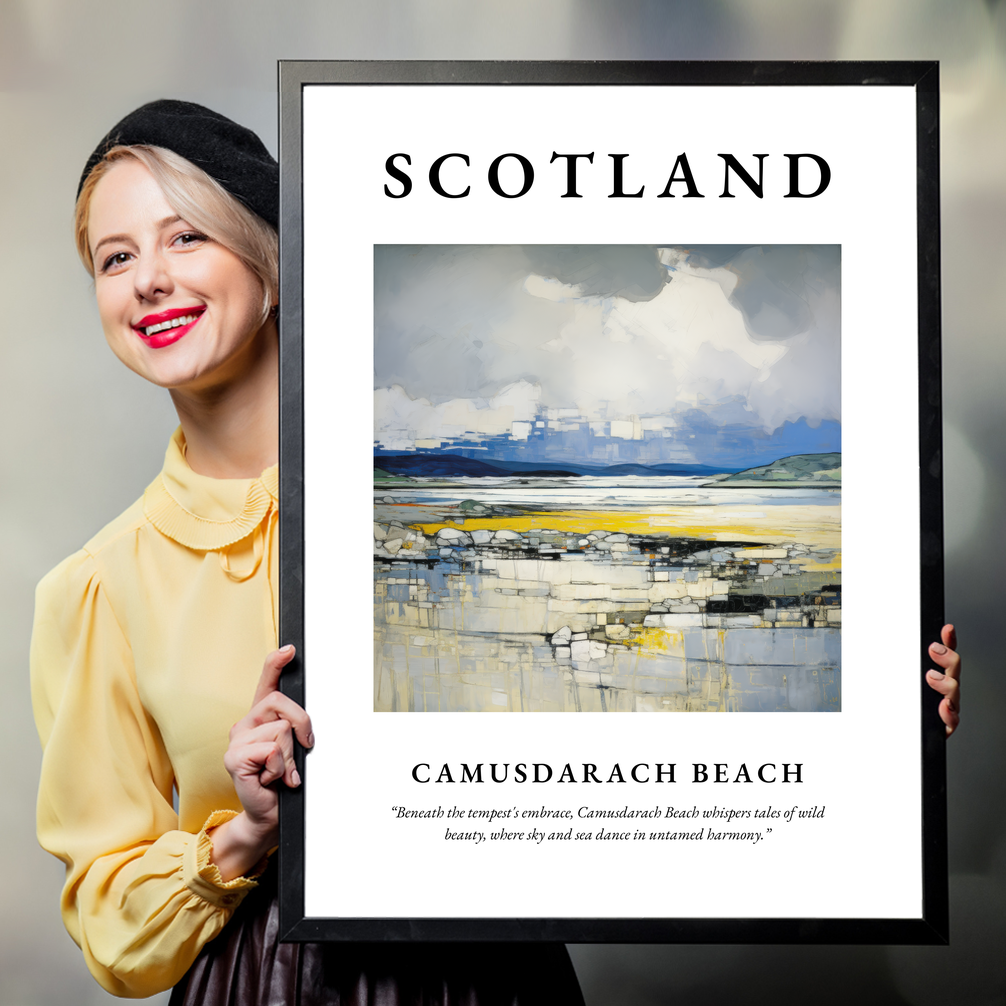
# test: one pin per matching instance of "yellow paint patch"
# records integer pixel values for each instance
(809, 525)
(655, 640)
(822, 567)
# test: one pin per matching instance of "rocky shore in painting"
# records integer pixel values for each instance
(492, 618)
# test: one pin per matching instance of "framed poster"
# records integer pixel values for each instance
(611, 390)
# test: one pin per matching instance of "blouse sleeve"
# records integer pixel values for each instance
(141, 898)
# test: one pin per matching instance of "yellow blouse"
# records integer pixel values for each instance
(147, 647)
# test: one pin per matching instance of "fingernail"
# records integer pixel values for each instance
(310, 740)
(938, 648)
(295, 777)
(287, 649)
(936, 675)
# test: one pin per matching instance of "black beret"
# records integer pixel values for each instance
(230, 154)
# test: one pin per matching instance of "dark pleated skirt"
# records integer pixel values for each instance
(246, 965)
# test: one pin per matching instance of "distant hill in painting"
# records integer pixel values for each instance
(796, 470)
(451, 465)
(380, 475)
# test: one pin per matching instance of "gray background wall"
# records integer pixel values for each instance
(82, 436)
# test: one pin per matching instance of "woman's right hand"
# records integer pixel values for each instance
(259, 754)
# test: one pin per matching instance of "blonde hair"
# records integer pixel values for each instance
(199, 200)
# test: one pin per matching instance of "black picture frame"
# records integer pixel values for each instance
(932, 925)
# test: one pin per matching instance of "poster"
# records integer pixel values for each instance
(601, 384)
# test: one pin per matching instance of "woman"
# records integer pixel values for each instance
(148, 643)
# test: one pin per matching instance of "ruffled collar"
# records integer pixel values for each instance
(203, 513)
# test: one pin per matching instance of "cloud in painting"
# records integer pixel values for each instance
(408, 422)
(610, 334)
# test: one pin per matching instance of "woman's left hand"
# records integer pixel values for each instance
(948, 681)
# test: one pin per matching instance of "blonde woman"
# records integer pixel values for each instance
(154, 660)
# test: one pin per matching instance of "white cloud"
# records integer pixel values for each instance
(401, 421)
(480, 323)
(617, 357)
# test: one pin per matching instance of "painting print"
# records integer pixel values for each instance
(607, 478)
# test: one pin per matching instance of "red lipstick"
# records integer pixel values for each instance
(166, 327)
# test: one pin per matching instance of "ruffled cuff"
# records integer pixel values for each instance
(203, 878)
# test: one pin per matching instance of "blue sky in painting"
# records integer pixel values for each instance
(723, 356)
